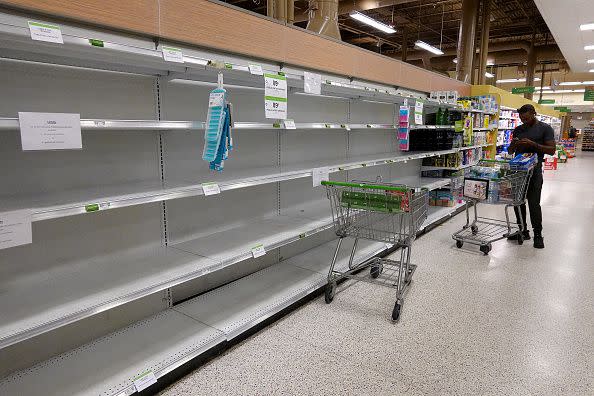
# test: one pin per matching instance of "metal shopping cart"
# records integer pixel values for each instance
(389, 213)
(505, 183)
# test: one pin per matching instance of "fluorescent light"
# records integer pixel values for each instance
(571, 83)
(428, 47)
(591, 70)
(589, 47)
(515, 80)
(372, 22)
(489, 75)
(560, 91)
(587, 26)
(590, 60)
(456, 60)
(579, 90)
(544, 88)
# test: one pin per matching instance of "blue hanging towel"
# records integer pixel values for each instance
(225, 144)
(215, 121)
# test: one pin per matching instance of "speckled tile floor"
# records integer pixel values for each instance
(517, 322)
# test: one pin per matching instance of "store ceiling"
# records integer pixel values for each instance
(564, 20)
(513, 25)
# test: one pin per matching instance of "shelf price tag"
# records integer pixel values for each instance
(312, 83)
(275, 96)
(50, 131)
(319, 175)
(258, 251)
(211, 189)
(256, 70)
(144, 380)
(15, 228)
(171, 54)
(290, 124)
(45, 32)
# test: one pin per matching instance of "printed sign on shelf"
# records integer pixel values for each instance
(15, 228)
(211, 189)
(50, 131)
(171, 54)
(275, 96)
(258, 251)
(319, 175)
(144, 381)
(45, 32)
(312, 83)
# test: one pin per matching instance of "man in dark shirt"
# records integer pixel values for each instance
(532, 136)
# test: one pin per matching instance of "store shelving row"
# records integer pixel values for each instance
(157, 345)
(104, 282)
(432, 168)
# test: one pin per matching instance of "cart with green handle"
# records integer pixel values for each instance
(509, 188)
(389, 213)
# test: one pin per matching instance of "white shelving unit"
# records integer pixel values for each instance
(97, 297)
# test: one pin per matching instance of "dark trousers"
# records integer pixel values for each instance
(533, 198)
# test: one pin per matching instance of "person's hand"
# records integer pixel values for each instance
(525, 144)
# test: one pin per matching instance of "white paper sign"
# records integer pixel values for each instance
(256, 70)
(45, 32)
(418, 112)
(290, 124)
(258, 251)
(275, 96)
(15, 228)
(144, 381)
(319, 175)
(50, 131)
(171, 54)
(211, 189)
(312, 83)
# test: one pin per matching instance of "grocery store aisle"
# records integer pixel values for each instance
(516, 322)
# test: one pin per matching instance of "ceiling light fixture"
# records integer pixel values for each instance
(591, 70)
(571, 83)
(587, 26)
(456, 60)
(372, 22)
(589, 47)
(428, 47)
(590, 60)
(489, 75)
(515, 80)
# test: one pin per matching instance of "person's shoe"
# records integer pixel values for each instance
(525, 236)
(538, 241)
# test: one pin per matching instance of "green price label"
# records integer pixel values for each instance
(96, 43)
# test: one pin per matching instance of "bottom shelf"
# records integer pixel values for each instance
(438, 213)
(109, 365)
(165, 341)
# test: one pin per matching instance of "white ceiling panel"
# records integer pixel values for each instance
(564, 18)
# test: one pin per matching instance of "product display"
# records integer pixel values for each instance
(217, 134)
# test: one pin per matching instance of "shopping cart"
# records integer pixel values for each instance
(389, 213)
(509, 188)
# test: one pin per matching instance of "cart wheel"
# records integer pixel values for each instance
(396, 311)
(329, 292)
(375, 271)
(520, 239)
(474, 229)
(459, 244)
(485, 249)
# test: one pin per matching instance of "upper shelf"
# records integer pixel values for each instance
(142, 56)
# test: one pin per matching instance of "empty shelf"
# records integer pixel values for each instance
(109, 365)
(242, 304)
(437, 213)
(73, 291)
